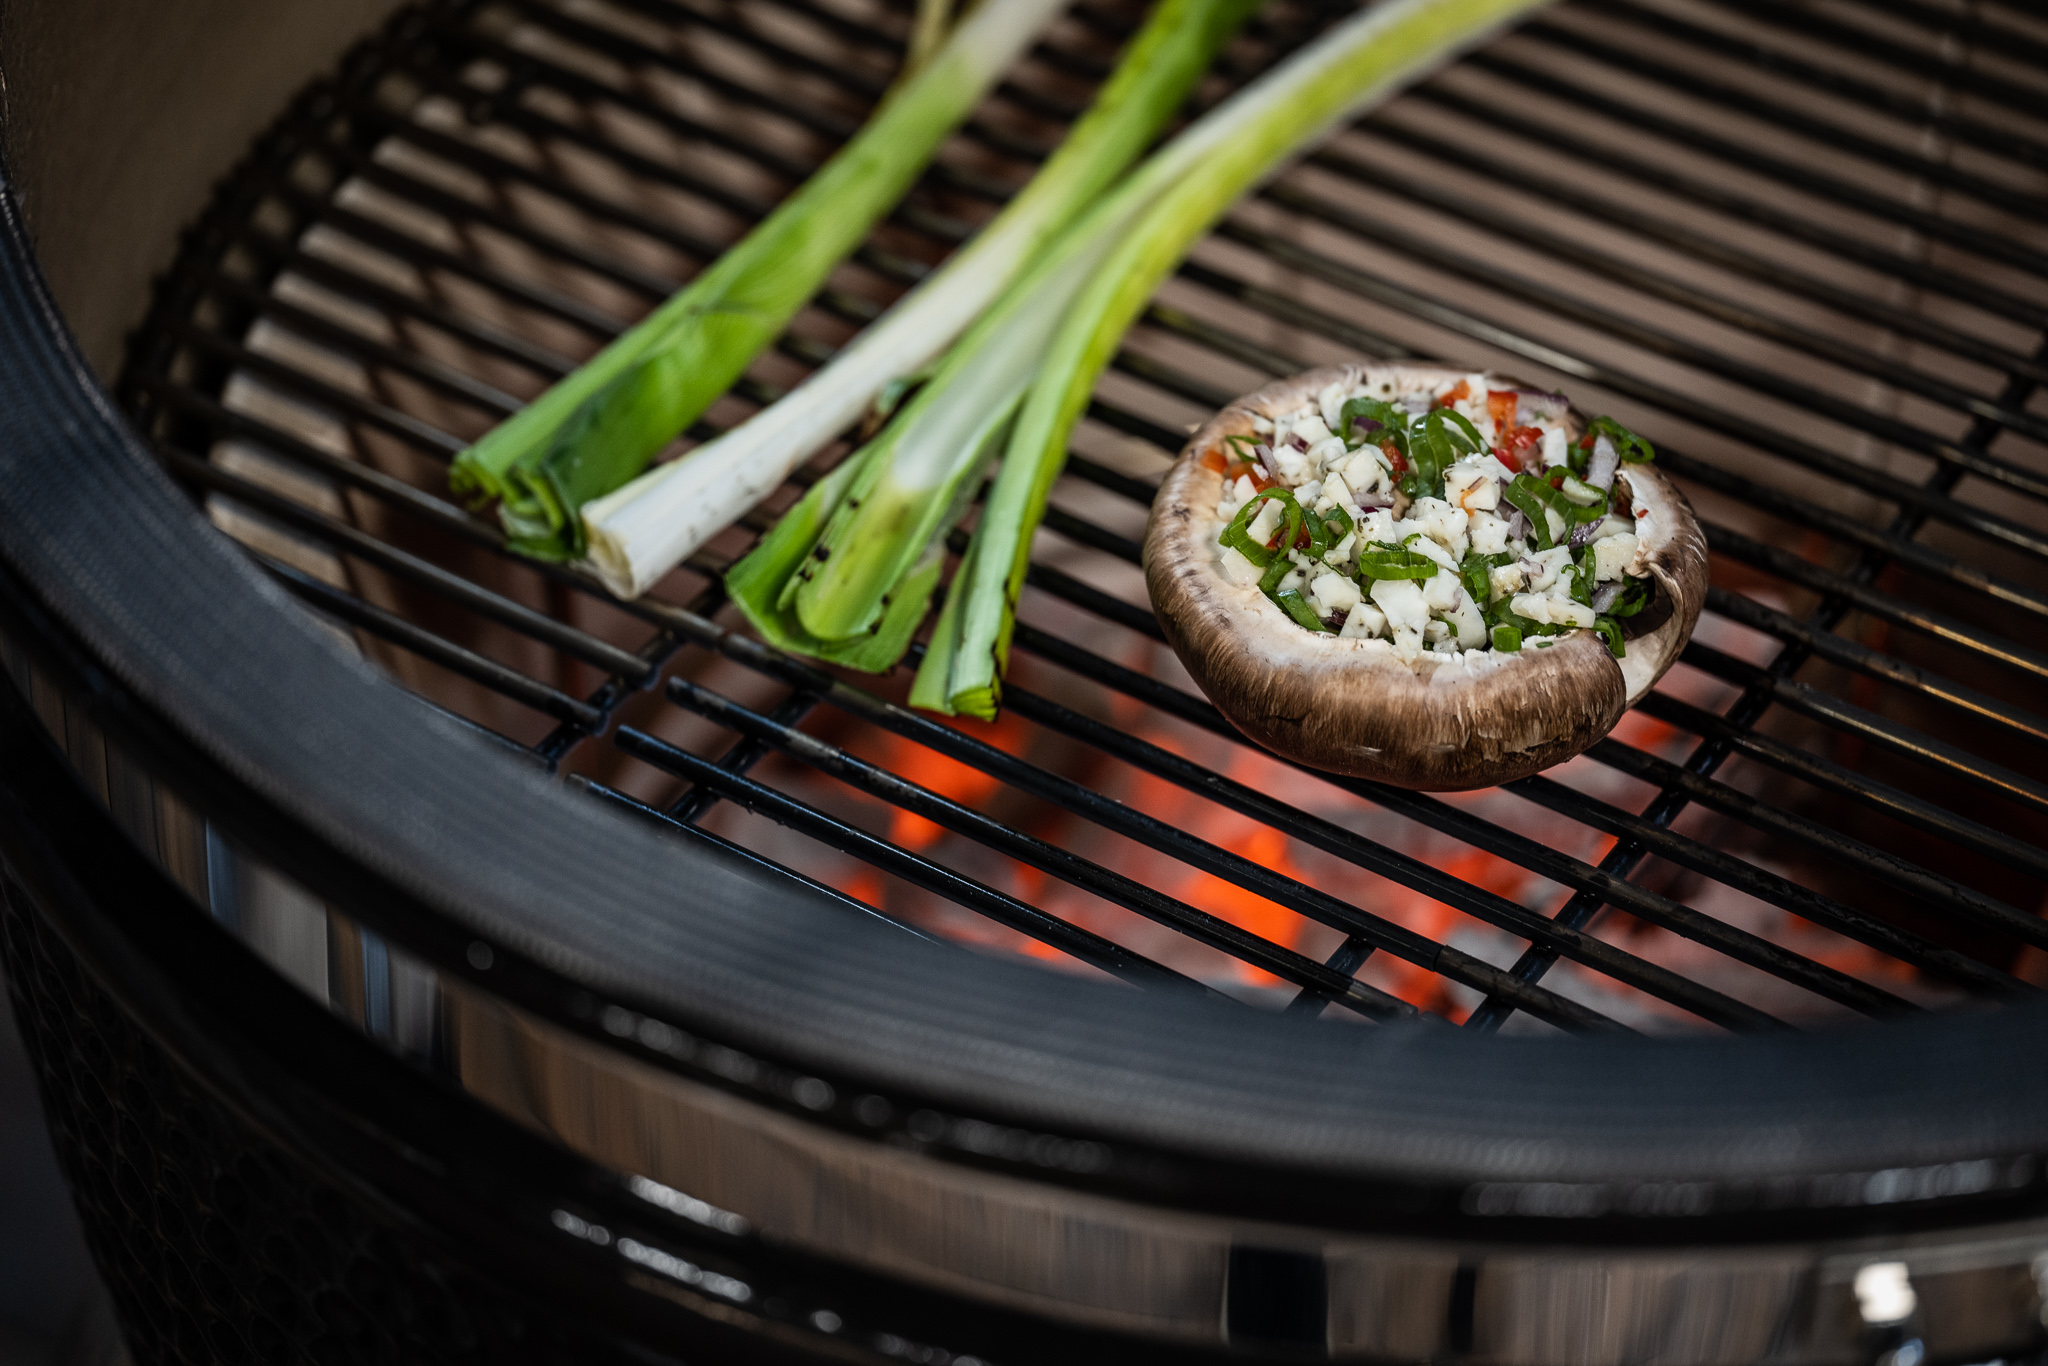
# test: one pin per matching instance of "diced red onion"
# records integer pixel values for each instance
(1605, 596)
(1518, 526)
(1531, 404)
(1296, 440)
(1583, 533)
(1606, 460)
(1373, 500)
(1266, 458)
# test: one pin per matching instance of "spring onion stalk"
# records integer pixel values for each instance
(598, 427)
(639, 533)
(1363, 61)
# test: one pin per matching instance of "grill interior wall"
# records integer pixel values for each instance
(1801, 263)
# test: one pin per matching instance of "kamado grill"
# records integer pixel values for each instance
(675, 999)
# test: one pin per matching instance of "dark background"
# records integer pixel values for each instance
(49, 1312)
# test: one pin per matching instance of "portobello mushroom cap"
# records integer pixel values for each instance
(1442, 722)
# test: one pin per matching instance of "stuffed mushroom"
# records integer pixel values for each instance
(1430, 577)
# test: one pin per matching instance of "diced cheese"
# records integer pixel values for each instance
(1401, 600)
(1335, 493)
(1470, 489)
(1557, 611)
(1311, 428)
(1489, 533)
(1442, 523)
(1238, 569)
(1266, 522)
(1341, 552)
(1365, 621)
(1612, 555)
(1555, 446)
(1469, 623)
(1443, 592)
(1327, 452)
(1549, 564)
(1331, 403)
(1334, 594)
(1507, 578)
(1366, 471)
(1307, 492)
(1379, 525)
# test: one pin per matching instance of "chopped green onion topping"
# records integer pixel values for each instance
(1506, 639)
(1435, 444)
(1579, 493)
(1634, 449)
(1383, 561)
(1238, 535)
(1292, 603)
(1393, 422)
(1610, 631)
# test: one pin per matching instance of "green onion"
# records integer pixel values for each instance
(914, 476)
(1292, 603)
(1506, 639)
(1393, 422)
(1361, 60)
(642, 531)
(1476, 570)
(1610, 631)
(1582, 494)
(1239, 536)
(599, 426)
(1634, 449)
(1382, 561)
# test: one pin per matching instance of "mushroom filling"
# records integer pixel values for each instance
(1442, 517)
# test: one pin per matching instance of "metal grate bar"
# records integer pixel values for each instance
(1782, 117)
(1649, 906)
(1696, 245)
(1083, 801)
(1898, 104)
(1918, 61)
(396, 629)
(1801, 179)
(998, 906)
(1133, 896)
(1831, 777)
(1530, 123)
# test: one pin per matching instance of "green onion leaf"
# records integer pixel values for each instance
(1634, 449)
(1610, 631)
(1393, 423)
(1382, 561)
(1295, 606)
(1506, 639)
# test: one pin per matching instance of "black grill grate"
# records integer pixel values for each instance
(1797, 245)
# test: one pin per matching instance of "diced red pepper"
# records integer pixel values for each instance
(1395, 460)
(1500, 406)
(1521, 448)
(1457, 393)
(1261, 481)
